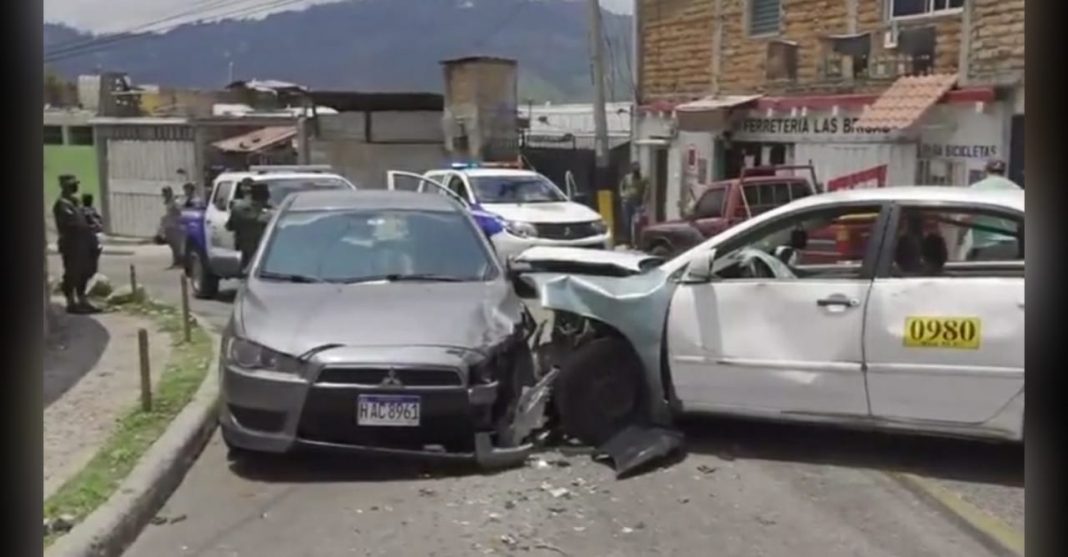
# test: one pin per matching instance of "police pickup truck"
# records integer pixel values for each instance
(210, 252)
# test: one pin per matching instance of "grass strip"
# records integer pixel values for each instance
(136, 430)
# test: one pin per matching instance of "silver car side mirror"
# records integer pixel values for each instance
(699, 271)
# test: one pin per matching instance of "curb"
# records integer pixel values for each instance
(993, 533)
(113, 526)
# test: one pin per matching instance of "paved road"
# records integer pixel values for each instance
(744, 489)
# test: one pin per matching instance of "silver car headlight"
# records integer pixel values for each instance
(249, 355)
(521, 229)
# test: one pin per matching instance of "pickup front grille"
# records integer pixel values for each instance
(566, 231)
(408, 377)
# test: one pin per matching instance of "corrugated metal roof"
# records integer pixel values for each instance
(576, 119)
(257, 140)
(906, 101)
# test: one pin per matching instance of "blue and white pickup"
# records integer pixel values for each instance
(210, 252)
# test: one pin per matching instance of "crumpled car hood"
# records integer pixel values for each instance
(586, 261)
(297, 318)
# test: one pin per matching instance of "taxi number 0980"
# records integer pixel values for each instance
(943, 332)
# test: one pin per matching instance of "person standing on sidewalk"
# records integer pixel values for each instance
(190, 201)
(985, 244)
(96, 225)
(75, 244)
(632, 194)
(171, 225)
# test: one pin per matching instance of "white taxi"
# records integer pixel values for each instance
(865, 308)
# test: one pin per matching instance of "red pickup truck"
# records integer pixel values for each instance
(725, 204)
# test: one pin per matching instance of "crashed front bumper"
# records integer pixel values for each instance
(273, 412)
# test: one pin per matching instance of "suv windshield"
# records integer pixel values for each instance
(362, 246)
(532, 188)
(281, 187)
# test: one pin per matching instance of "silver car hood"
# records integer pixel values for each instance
(297, 318)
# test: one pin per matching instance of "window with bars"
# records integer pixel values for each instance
(908, 8)
(764, 16)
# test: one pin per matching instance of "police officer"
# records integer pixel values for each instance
(76, 242)
(190, 201)
(248, 220)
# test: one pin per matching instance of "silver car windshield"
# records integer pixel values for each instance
(368, 246)
(515, 189)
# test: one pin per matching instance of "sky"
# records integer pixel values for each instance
(101, 16)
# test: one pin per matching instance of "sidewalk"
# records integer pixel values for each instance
(91, 378)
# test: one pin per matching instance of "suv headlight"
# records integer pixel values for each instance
(521, 229)
(249, 355)
(599, 227)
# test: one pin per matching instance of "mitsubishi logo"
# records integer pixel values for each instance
(391, 379)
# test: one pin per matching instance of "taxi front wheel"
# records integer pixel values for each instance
(598, 390)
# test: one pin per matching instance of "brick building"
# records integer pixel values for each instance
(925, 90)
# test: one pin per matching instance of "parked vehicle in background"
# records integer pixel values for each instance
(903, 328)
(534, 210)
(725, 204)
(210, 252)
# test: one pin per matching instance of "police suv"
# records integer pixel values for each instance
(534, 211)
(210, 252)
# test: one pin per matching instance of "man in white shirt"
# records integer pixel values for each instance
(987, 245)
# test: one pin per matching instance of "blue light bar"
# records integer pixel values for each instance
(459, 165)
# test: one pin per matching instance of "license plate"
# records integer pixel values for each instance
(943, 332)
(387, 410)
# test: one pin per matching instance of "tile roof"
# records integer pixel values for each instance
(256, 140)
(905, 102)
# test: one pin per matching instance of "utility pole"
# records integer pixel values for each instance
(605, 202)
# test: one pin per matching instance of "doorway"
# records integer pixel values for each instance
(660, 180)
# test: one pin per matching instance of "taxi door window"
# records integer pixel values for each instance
(819, 244)
(955, 242)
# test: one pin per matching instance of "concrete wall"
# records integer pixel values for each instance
(481, 103)
(363, 146)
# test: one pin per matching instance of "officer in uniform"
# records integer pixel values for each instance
(76, 242)
(248, 220)
(96, 246)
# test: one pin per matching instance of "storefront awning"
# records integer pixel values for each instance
(257, 140)
(710, 113)
(905, 102)
(710, 104)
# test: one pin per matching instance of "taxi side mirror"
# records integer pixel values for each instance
(699, 271)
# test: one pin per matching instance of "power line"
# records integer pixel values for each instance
(199, 6)
(112, 40)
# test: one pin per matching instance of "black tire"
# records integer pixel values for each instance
(205, 285)
(599, 390)
(661, 249)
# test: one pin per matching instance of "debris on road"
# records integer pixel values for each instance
(705, 469)
(636, 447)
